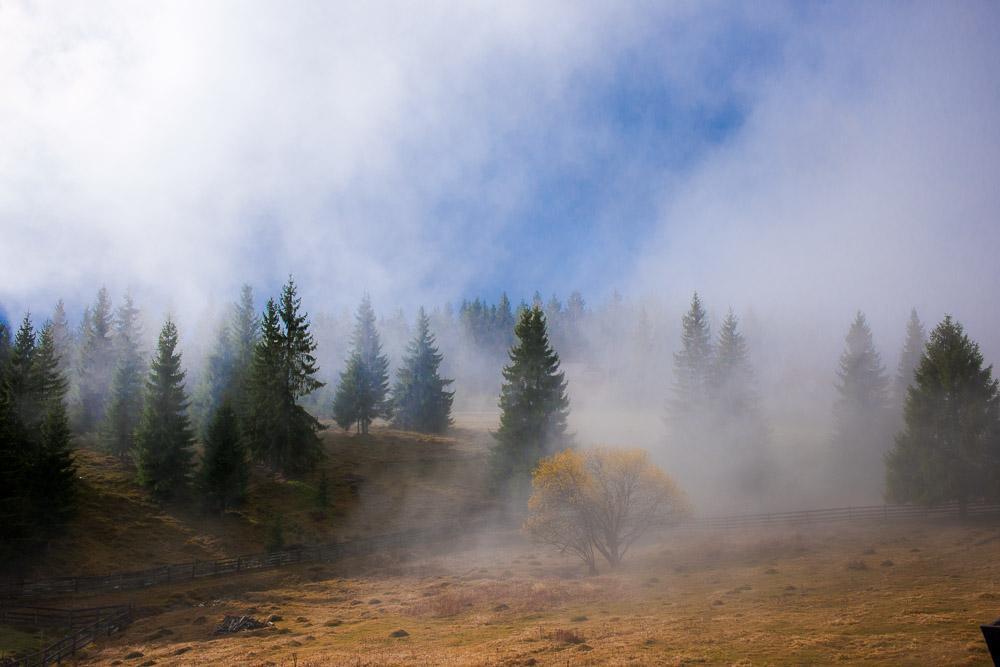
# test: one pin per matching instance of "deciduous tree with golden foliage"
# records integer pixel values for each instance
(598, 502)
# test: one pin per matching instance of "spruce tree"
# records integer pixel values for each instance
(96, 363)
(244, 333)
(53, 473)
(534, 407)
(736, 425)
(163, 440)
(949, 448)
(281, 432)
(693, 364)
(862, 431)
(26, 397)
(228, 367)
(909, 358)
(732, 383)
(362, 395)
(223, 478)
(125, 399)
(36, 467)
(689, 410)
(65, 343)
(420, 399)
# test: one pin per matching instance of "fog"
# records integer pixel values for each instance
(795, 164)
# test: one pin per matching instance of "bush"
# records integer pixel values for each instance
(599, 502)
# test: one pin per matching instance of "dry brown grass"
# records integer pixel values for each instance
(700, 599)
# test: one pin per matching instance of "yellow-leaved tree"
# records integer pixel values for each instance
(598, 502)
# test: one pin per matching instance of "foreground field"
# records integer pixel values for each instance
(910, 593)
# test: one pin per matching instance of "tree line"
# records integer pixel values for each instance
(249, 406)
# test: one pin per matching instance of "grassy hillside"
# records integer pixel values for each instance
(382, 482)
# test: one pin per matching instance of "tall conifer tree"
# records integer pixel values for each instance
(862, 429)
(362, 395)
(281, 432)
(125, 400)
(96, 362)
(223, 478)
(534, 407)
(909, 358)
(53, 474)
(949, 448)
(693, 364)
(421, 401)
(163, 441)
(65, 342)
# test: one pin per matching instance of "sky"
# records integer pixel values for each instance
(802, 159)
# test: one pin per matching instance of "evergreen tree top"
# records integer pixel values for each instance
(49, 379)
(731, 351)
(166, 377)
(534, 367)
(863, 382)
(913, 350)
(101, 322)
(128, 330)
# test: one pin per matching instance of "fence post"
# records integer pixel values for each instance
(239, 560)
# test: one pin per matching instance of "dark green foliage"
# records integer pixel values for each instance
(54, 474)
(96, 363)
(949, 448)
(362, 395)
(24, 390)
(275, 535)
(862, 429)
(281, 433)
(228, 367)
(37, 475)
(420, 398)
(322, 492)
(909, 358)
(534, 407)
(125, 400)
(163, 440)
(223, 478)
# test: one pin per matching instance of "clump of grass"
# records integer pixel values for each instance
(887, 563)
(857, 565)
(566, 636)
(578, 619)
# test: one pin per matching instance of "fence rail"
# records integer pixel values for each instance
(85, 626)
(166, 574)
(868, 512)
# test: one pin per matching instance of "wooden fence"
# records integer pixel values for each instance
(868, 512)
(121, 581)
(85, 625)
(166, 574)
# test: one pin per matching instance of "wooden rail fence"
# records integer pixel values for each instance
(84, 625)
(166, 574)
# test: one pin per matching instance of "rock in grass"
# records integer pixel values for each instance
(399, 633)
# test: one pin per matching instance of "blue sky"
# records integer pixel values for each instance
(772, 155)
